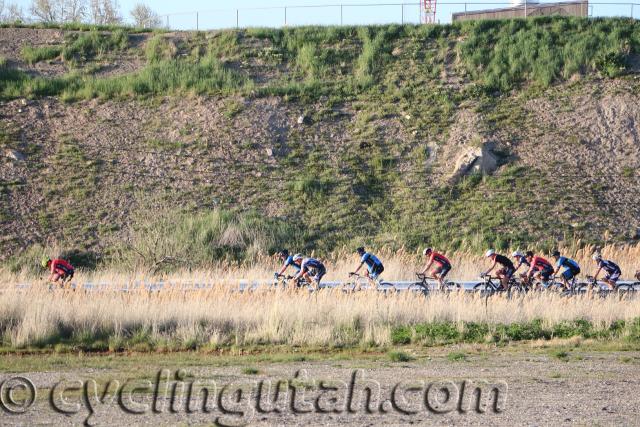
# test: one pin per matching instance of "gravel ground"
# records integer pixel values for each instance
(589, 388)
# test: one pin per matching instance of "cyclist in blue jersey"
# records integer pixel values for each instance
(611, 268)
(572, 268)
(310, 268)
(287, 261)
(374, 265)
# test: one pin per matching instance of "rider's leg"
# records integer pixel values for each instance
(318, 277)
(443, 271)
(504, 280)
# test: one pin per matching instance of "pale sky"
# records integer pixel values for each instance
(222, 14)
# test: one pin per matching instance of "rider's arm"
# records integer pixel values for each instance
(282, 270)
(595, 276)
(531, 269)
(358, 269)
(492, 267)
(424, 271)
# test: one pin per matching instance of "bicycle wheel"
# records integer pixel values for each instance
(483, 289)
(452, 287)
(348, 288)
(624, 289)
(386, 287)
(418, 288)
(517, 290)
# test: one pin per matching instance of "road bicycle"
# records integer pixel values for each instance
(359, 282)
(490, 285)
(284, 282)
(594, 287)
(424, 285)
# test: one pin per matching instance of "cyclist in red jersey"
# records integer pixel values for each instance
(60, 270)
(443, 265)
(540, 267)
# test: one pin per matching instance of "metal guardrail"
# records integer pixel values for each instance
(351, 14)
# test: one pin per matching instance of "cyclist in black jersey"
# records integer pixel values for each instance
(505, 272)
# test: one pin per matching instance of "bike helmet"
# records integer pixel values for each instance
(517, 254)
(360, 250)
(489, 253)
(556, 254)
(596, 257)
(427, 251)
(284, 253)
(297, 257)
(44, 262)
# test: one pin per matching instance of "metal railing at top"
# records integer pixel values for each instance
(357, 14)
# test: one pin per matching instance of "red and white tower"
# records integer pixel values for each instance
(428, 11)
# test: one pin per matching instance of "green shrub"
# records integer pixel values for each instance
(401, 335)
(560, 354)
(400, 356)
(522, 331)
(475, 332)
(437, 333)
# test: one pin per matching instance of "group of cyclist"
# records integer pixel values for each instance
(536, 267)
(313, 270)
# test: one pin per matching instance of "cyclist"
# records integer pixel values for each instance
(519, 256)
(611, 268)
(443, 268)
(310, 268)
(374, 265)
(539, 267)
(60, 270)
(506, 271)
(287, 261)
(572, 268)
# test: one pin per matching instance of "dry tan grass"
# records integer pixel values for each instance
(216, 317)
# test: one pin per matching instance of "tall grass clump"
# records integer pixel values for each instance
(85, 46)
(178, 240)
(205, 76)
(79, 47)
(158, 48)
(32, 55)
(502, 54)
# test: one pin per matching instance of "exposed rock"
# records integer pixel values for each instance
(397, 51)
(14, 155)
(475, 160)
(269, 152)
(302, 119)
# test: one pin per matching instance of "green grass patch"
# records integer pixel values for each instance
(400, 356)
(250, 371)
(456, 356)
(561, 355)
(32, 55)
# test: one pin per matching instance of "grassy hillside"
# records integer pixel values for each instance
(229, 144)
